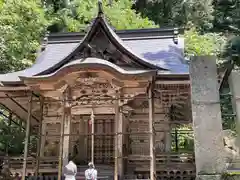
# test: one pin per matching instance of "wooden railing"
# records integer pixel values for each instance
(137, 162)
(46, 165)
(165, 158)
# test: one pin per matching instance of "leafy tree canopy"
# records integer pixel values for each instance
(78, 14)
(203, 44)
(22, 24)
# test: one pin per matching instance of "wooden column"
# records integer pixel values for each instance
(43, 138)
(151, 132)
(66, 138)
(39, 136)
(27, 136)
(120, 143)
(60, 161)
(86, 125)
(9, 130)
(92, 140)
(116, 136)
(168, 140)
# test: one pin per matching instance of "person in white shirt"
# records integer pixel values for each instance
(91, 172)
(70, 171)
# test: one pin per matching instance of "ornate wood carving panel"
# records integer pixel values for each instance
(93, 91)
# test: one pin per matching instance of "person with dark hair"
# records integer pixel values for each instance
(91, 172)
(70, 170)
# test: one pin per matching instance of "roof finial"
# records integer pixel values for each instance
(100, 8)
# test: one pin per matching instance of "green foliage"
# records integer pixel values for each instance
(227, 110)
(78, 14)
(203, 44)
(22, 23)
(11, 139)
(178, 12)
(232, 50)
(226, 15)
(182, 138)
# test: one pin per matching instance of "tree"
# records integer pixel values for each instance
(178, 12)
(226, 15)
(204, 44)
(11, 139)
(22, 23)
(77, 15)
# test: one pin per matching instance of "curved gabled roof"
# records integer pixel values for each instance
(92, 63)
(100, 22)
(150, 52)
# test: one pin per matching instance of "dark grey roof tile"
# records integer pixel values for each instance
(161, 52)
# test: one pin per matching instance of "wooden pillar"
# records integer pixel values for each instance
(27, 136)
(92, 140)
(43, 138)
(116, 136)
(168, 139)
(60, 161)
(120, 143)
(39, 136)
(151, 131)
(86, 139)
(66, 138)
(9, 131)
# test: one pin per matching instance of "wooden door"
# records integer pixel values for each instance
(103, 144)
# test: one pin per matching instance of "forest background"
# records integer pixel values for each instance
(211, 28)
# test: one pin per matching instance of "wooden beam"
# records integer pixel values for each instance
(27, 137)
(152, 133)
(9, 110)
(19, 88)
(19, 105)
(173, 82)
(61, 139)
(39, 136)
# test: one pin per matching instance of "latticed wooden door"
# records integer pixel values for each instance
(103, 141)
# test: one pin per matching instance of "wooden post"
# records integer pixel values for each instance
(151, 132)
(92, 150)
(67, 127)
(43, 138)
(39, 135)
(9, 130)
(120, 143)
(60, 162)
(86, 139)
(27, 137)
(116, 136)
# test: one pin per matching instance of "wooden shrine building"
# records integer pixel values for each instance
(107, 96)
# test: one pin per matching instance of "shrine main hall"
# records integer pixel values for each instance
(117, 98)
